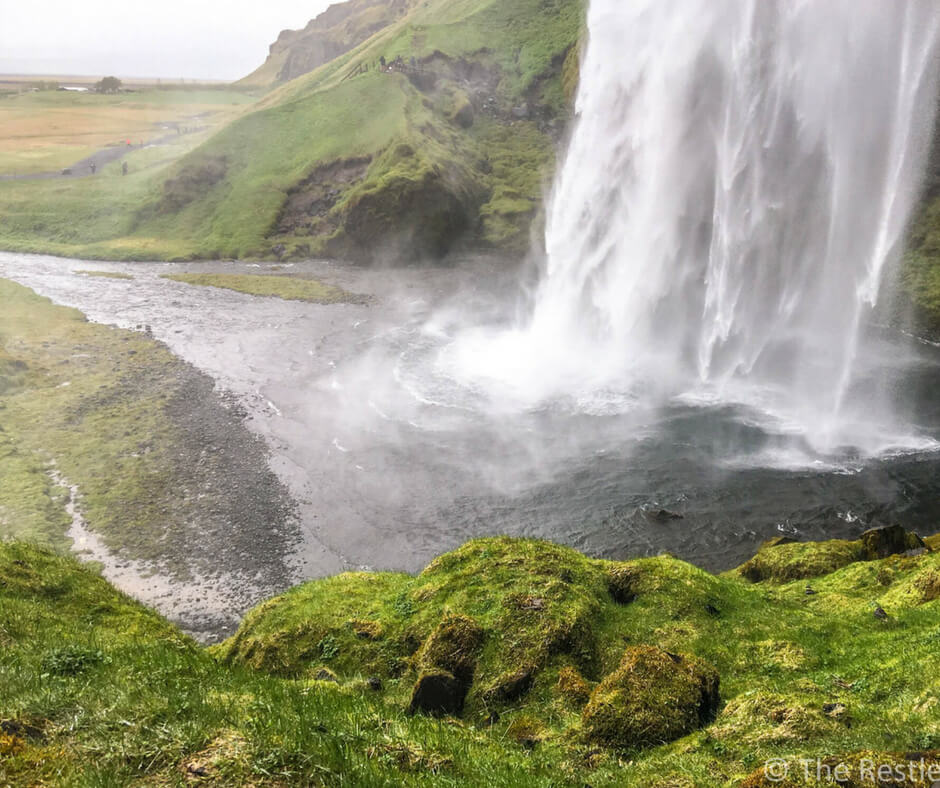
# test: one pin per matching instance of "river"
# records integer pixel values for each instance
(392, 463)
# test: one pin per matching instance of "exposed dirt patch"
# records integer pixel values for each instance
(307, 210)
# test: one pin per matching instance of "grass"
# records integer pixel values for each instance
(94, 401)
(286, 287)
(47, 131)
(92, 684)
(482, 183)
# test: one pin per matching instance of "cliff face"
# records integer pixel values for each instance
(333, 33)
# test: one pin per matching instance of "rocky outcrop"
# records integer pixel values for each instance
(333, 33)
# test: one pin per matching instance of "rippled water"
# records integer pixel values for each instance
(395, 460)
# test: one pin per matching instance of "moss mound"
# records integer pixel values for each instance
(653, 697)
(543, 676)
(781, 561)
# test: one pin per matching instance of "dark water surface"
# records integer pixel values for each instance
(393, 463)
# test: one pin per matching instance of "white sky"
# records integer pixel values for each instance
(195, 39)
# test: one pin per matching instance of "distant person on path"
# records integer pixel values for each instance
(93, 167)
(124, 168)
(382, 61)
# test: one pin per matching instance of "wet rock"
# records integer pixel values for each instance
(653, 697)
(438, 693)
(663, 516)
(889, 540)
(879, 613)
(374, 683)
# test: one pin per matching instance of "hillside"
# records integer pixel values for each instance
(921, 278)
(333, 33)
(504, 663)
(452, 143)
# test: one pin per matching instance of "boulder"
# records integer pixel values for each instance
(889, 540)
(653, 697)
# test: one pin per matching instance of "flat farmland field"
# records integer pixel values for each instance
(46, 131)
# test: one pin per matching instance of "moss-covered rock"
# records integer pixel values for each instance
(653, 697)
(453, 647)
(573, 687)
(781, 561)
(802, 676)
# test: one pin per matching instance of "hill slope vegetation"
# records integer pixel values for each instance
(504, 663)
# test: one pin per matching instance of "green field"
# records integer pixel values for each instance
(575, 672)
(49, 130)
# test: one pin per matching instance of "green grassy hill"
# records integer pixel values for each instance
(452, 144)
(504, 663)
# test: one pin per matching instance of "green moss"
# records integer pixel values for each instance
(653, 697)
(781, 560)
(453, 647)
(276, 286)
(796, 560)
(559, 677)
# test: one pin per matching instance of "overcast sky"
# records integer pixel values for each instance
(193, 39)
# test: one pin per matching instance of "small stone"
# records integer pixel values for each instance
(809, 591)
(880, 613)
(663, 516)
(375, 684)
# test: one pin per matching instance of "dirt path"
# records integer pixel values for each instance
(83, 167)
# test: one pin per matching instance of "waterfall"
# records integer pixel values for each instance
(734, 197)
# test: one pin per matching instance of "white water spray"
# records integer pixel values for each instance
(738, 184)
